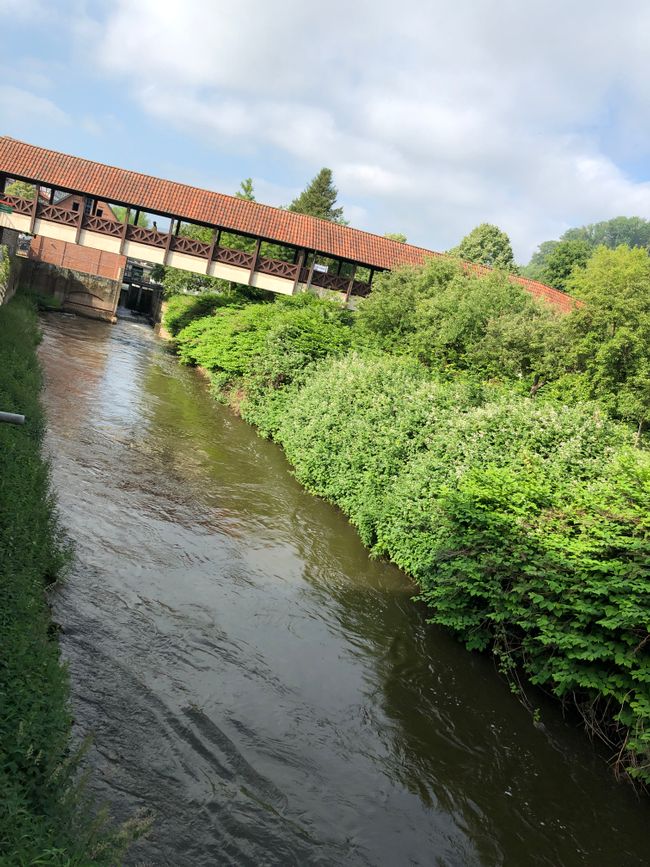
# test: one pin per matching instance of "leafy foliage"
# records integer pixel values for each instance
(120, 213)
(608, 353)
(183, 309)
(525, 522)
(43, 816)
(487, 245)
(565, 257)
(22, 189)
(319, 198)
(454, 320)
(631, 231)
(235, 337)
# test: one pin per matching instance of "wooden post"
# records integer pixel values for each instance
(80, 221)
(256, 254)
(32, 222)
(124, 230)
(301, 262)
(168, 242)
(216, 237)
(52, 195)
(311, 273)
(350, 284)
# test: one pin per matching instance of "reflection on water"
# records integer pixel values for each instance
(251, 675)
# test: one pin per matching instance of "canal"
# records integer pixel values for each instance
(254, 679)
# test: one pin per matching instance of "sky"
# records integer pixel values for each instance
(434, 116)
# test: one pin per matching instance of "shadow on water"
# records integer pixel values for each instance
(250, 674)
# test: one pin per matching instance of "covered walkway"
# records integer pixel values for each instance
(297, 241)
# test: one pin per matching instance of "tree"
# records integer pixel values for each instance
(245, 190)
(318, 199)
(535, 268)
(633, 231)
(487, 245)
(563, 259)
(396, 236)
(609, 335)
(21, 189)
(120, 213)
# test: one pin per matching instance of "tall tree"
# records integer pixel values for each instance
(318, 199)
(487, 245)
(396, 236)
(563, 259)
(246, 191)
(633, 231)
(609, 335)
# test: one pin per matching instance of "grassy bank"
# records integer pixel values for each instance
(469, 438)
(43, 816)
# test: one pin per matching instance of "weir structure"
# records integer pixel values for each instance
(285, 249)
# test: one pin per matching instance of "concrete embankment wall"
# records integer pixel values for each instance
(86, 294)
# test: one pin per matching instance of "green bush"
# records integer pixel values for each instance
(42, 819)
(183, 309)
(356, 422)
(309, 330)
(454, 320)
(524, 521)
(233, 339)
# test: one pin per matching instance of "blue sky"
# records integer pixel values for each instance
(434, 116)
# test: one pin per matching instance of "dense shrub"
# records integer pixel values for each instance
(522, 528)
(524, 521)
(309, 330)
(41, 818)
(454, 320)
(608, 337)
(232, 340)
(183, 309)
(356, 422)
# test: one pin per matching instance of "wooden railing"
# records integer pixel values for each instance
(277, 268)
(20, 206)
(152, 237)
(239, 258)
(103, 225)
(189, 246)
(57, 214)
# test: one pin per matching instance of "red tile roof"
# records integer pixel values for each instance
(62, 171)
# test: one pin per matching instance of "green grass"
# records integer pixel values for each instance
(44, 818)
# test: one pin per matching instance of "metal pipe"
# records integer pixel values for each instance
(12, 418)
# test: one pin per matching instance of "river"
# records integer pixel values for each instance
(251, 676)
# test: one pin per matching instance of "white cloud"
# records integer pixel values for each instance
(21, 111)
(434, 116)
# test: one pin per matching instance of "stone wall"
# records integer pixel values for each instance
(86, 294)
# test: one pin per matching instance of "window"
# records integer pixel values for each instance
(75, 206)
(99, 212)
